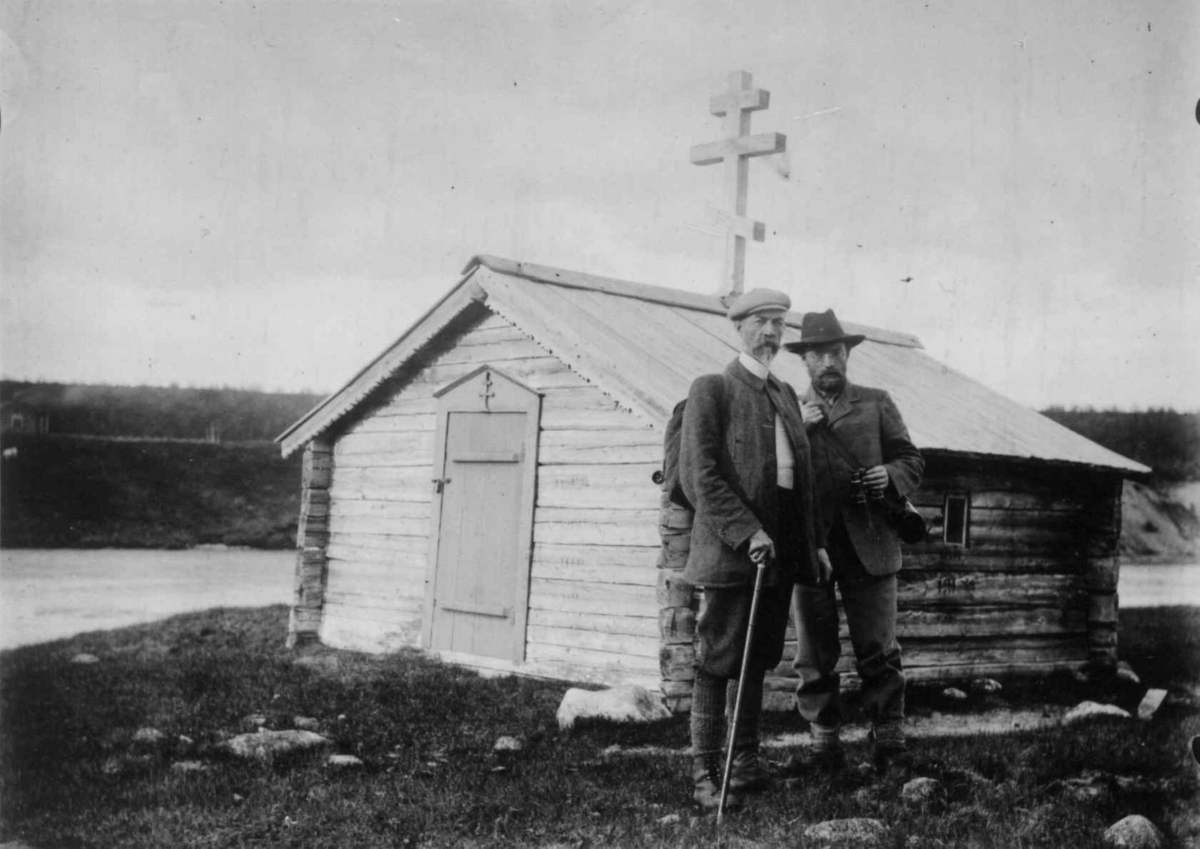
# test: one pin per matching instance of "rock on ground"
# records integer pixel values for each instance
(923, 791)
(627, 703)
(985, 685)
(1091, 710)
(508, 744)
(344, 761)
(84, 657)
(855, 832)
(954, 694)
(148, 735)
(264, 745)
(1150, 703)
(305, 723)
(1134, 832)
(189, 766)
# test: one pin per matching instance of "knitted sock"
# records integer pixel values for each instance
(752, 695)
(708, 709)
(825, 738)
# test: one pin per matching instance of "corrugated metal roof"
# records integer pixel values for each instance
(643, 345)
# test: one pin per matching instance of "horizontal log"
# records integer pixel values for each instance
(918, 588)
(572, 557)
(930, 501)
(959, 559)
(379, 525)
(538, 373)
(589, 597)
(394, 423)
(407, 403)
(600, 485)
(389, 442)
(625, 644)
(598, 621)
(389, 460)
(597, 661)
(576, 447)
(343, 507)
(613, 418)
(384, 619)
(386, 601)
(641, 575)
(563, 526)
(987, 623)
(382, 542)
(491, 336)
(366, 573)
(412, 479)
(498, 352)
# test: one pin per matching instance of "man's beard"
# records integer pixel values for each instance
(831, 381)
(765, 352)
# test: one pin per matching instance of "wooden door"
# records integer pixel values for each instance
(477, 599)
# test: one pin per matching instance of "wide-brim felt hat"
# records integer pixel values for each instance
(758, 300)
(822, 328)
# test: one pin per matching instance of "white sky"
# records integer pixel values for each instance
(225, 193)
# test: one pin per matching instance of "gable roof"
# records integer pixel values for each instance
(643, 345)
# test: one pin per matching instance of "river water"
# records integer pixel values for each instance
(46, 594)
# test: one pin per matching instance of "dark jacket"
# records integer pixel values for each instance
(872, 431)
(728, 472)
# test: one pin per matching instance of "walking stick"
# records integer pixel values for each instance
(737, 702)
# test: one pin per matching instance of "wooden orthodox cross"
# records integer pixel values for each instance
(735, 150)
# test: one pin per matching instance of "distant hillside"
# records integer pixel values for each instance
(61, 492)
(232, 415)
(1165, 440)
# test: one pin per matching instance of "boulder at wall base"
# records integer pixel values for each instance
(855, 832)
(1134, 832)
(1093, 710)
(266, 745)
(627, 703)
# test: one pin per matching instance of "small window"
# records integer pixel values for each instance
(956, 519)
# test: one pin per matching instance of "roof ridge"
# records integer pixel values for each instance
(657, 294)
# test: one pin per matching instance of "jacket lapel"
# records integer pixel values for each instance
(844, 404)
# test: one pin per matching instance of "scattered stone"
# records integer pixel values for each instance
(1150, 703)
(923, 792)
(627, 703)
(1088, 790)
(1134, 832)
(869, 796)
(855, 832)
(508, 744)
(84, 657)
(954, 694)
(265, 745)
(238, 797)
(1125, 673)
(1092, 710)
(305, 723)
(1082, 676)
(189, 766)
(611, 751)
(344, 761)
(186, 742)
(253, 721)
(986, 685)
(112, 766)
(148, 736)
(670, 819)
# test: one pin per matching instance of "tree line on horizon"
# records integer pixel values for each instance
(1165, 439)
(229, 414)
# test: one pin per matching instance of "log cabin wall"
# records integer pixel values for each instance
(1027, 586)
(312, 535)
(592, 614)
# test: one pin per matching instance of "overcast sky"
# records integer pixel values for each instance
(267, 194)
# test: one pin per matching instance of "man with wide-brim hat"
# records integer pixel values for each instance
(860, 451)
(744, 465)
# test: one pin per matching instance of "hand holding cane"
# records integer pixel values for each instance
(760, 557)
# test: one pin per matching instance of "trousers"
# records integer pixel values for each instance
(870, 605)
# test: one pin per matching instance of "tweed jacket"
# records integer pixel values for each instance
(728, 472)
(872, 431)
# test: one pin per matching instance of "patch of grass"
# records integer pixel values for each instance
(73, 774)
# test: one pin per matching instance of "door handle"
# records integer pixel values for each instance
(440, 484)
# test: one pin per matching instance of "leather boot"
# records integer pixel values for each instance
(890, 747)
(747, 774)
(706, 778)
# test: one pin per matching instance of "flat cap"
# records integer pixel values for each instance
(758, 300)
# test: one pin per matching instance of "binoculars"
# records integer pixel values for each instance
(859, 492)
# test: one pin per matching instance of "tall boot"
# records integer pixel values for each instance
(708, 705)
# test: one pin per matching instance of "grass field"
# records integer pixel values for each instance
(72, 773)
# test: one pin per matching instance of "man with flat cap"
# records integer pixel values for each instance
(744, 465)
(860, 450)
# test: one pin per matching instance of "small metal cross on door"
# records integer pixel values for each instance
(488, 392)
(735, 150)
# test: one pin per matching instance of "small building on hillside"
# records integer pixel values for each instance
(483, 489)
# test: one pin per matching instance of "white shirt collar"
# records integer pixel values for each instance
(755, 367)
